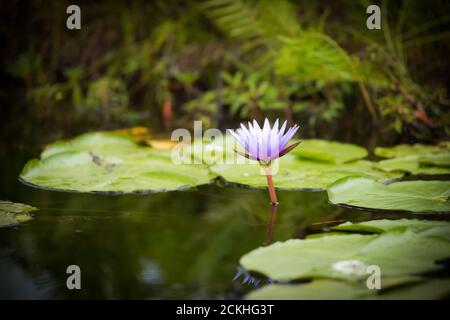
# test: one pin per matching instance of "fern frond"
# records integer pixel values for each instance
(255, 22)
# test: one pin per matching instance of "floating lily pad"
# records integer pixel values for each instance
(416, 158)
(315, 290)
(402, 150)
(108, 162)
(415, 164)
(310, 258)
(399, 252)
(424, 227)
(295, 173)
(12, 214)
(429, 290)
(218, 150)
(441, 159)
(416, 196)
(339, 290)
(329, 151)
(100, 142)
(402, 249)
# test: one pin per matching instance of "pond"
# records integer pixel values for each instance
(173, 245)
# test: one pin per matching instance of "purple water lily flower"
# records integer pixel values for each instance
(265, 145)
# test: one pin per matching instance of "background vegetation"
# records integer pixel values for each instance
(163, 64)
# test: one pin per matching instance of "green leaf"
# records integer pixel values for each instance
(339, 290)
(219, 150)
(429, 290)
(398, 253)
(299, 174)
(401, 248)
(409, 149)
(101, 162)
(315, 290)
(416, 196)
(12, 214)
(330, 151)
(441, 159)
(310, 258)
(424, 227)
(411, 164)
(98, 141)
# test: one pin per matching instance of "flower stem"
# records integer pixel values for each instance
(273, 196)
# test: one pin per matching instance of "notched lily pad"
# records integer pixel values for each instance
(12, 214)
(415, 196)
(110, 163)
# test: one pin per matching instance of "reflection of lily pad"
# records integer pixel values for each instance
(336, 290)
(417, 196)
(300, 174)
(107, 162)
(402, 150)
(12, 213)
(329, 151)
(415, 164)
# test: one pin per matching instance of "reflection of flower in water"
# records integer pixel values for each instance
(248, 279)
(151, 273)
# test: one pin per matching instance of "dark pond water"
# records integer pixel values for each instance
(167, 245)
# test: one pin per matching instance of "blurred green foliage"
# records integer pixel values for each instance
(166, 63)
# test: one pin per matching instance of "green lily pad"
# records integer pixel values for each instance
(219, 150)
(339, 290)
(315, 290)
(402, 150)
(399, 252)
(12, 214)
(300, 174)
(429, 290)
(310, 258)
(416, 158)
(441, 159)
(416, 164)
(100, 142)
(424, 227)
(402, 249)
(416, 196)
(107, 162)
(329, 151)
